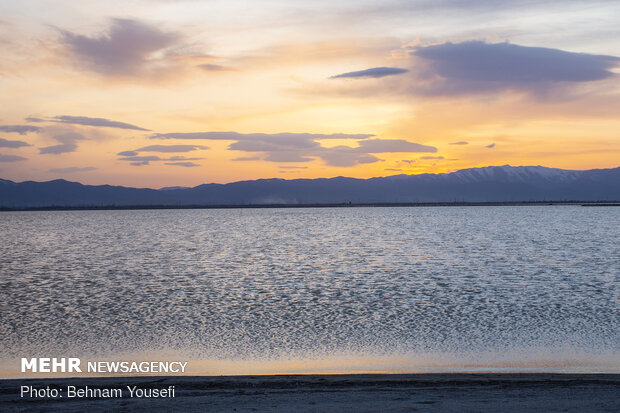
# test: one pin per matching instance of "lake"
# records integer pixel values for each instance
(309, 290)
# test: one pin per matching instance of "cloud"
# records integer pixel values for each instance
(375, 72)
(34, 119)
(11, 158)
(58, 149)
(182, 158)
(345, 156)
(72, 169)
(393, 169)
(171, 148)
(275, 137)
(248, 158)
(431, 157)
(129, 48)
(184, 164)
(86, 121)
(293, 167)
(140, 160)
(5, 143)
(67, 144)
(305, 147)
(213, 67)
(459, 143)
(21, 129)
(476, 66)
(490, 146)
(127, 153)
(393, 145)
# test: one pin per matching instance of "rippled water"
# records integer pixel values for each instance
(305, 290)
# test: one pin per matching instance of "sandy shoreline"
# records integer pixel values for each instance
(314, 393)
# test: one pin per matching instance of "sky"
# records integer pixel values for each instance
(156, 93)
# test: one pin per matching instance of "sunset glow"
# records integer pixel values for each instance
(164, 93)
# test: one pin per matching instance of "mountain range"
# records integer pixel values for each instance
(488, 184)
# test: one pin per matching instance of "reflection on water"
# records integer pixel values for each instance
(296, 290)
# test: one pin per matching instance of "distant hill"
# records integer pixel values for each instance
(488, 184)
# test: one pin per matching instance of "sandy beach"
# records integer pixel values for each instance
(319, 393)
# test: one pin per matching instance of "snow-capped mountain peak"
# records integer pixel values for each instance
(509, 173)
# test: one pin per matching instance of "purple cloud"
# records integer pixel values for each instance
(213, 68)
(184, 164)
(129, 48)
(11, 158)
(58, 149)
(375, 72)
(21, 129)
(305, 147)
(128, 153)
(475, 66)
(72, 169)
(5, 143)
(393, 145)
(171, 148)
(271, 137)
(140, 160)
(86, 121)
(34, 119)
(248, 158)
(67, 144)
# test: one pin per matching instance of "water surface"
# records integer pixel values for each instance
(316, 290)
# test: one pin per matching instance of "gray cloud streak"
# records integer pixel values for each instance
(140, 160)
(127, 49)
(393, 145)
(73, 169)
(213, 67)
(101, 122)
(11, 158)
(475, 66)
(21, 129)
(375, 72)
(58, 149)
(276, 137)
(68, 143)
(5, 143)
(184, 164)
(248, 158)
(304, 147)
(171, 148)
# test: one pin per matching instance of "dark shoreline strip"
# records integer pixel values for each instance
(478, 392)
(342, 205)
